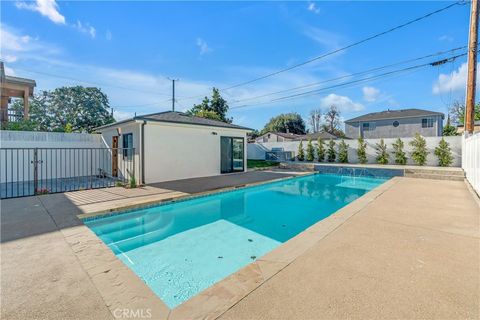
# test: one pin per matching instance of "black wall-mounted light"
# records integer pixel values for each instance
(214, 133)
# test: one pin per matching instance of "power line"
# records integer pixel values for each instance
(425, 16)
(367, 79)
(352, 74)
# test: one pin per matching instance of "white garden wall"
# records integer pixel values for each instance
(34, 139)
(257, 150)
(471, 160)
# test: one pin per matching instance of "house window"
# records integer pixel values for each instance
(427, 123)
(396, 123)
(127, 146)
(368, 126)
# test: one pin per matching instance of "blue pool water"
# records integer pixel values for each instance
(182, 248)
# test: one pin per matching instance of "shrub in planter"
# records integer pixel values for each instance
(444, 154)
(419, 153)
(300, 154)
(320, 150)
(362, 151)
(331, 153)
(310, 151)
(382, 153)
(400, 155)
(343, 152)
(133, 181)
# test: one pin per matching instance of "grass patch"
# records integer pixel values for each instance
(251, 164)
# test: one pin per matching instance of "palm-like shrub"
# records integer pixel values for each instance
(444, 154)
(362, 151)
(343, 152)
(331, 153)
(400, 155)
(310, 151)
(300, 154)
(382, 153)
(320, 150)
(420, 152)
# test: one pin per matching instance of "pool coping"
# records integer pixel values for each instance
(217, 299)
(183, 197)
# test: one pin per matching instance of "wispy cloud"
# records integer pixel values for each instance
(47, 8)
(446, 37)
(85, 28)
(370, 94)
(454, 81)
(108, 35)
(203, 46)
(313, 8)
(343, 103)
(328, 39)
(9, 71)
(16, 45)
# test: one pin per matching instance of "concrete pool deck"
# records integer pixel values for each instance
(409, 249)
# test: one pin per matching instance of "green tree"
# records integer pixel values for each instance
(22, 125)
(215, 108)
(208, 114)
(320, 150)
(400, 155)
(343, 152)
(449, 130)
(382, 153)
(457, 111)
(331, 153)
(420, 152)
(288, 122)
(362, 151)
(310, 151)
(444, 154)
(300, 154)
(77, 109)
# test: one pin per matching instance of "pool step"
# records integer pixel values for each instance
(452, 174)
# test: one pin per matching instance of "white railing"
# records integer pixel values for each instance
(471, 160)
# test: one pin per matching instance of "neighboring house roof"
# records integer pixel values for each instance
(292, 136)
(321, 135)
(177, 117)
(395, 114)
(282, 134)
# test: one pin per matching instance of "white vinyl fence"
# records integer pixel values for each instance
(32, 162)
(471, 160)
(258, 150)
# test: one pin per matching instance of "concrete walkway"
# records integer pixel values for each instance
(412, 252)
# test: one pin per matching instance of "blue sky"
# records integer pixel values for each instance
(129, 49)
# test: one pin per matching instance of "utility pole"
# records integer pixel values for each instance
(173, 93)
(472, 68)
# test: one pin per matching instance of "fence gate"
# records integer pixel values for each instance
(32, 171)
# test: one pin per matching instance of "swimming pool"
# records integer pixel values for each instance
(181, 248)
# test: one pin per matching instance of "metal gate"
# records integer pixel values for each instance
(32, 171)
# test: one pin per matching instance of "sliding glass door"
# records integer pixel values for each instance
(232, 154)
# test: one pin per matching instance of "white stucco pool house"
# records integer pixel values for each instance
(174, 145)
